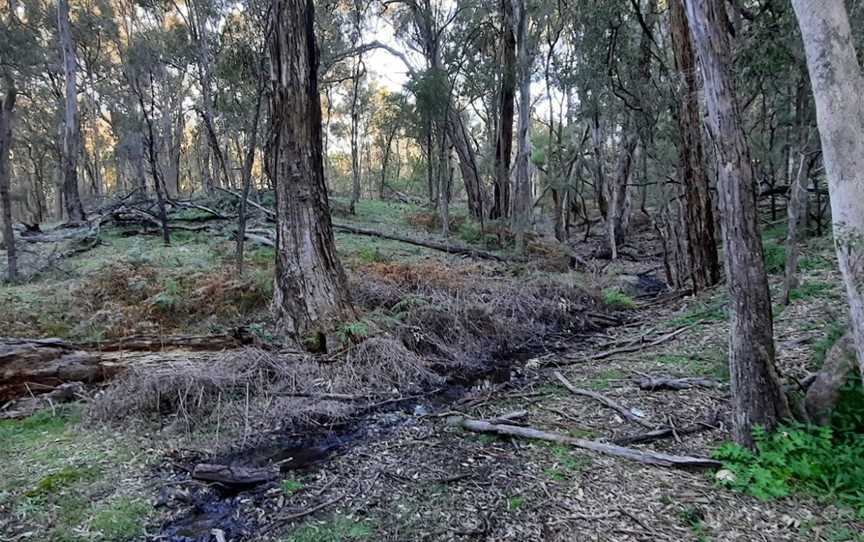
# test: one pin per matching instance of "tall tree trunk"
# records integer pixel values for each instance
(467, 164)
(797, 195)
(757, 395)
(7, 109)
(704, 263)
(522, 198)
(357, 75)
(507, 110)
(837, 82)
(310, 297)
(71, 132)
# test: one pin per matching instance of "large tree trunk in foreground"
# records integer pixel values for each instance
(757, 395)
(703, 261)
(7, 108)
(310, 298)
(71, 134)
(837, 82)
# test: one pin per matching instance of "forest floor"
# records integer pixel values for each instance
(401, 469)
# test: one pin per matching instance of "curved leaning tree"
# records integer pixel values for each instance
(310, 297)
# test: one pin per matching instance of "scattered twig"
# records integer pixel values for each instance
(602, 399)
(627, 349)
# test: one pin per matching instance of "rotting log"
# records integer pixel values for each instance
(234, 475)
(151, 343)
(642, 456)
(31, 366)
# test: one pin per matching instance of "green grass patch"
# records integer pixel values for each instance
(122, 519)
(336, 529)
(515, 503)
(618, 299)
(809, 290)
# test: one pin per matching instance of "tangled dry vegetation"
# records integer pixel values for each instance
(424, 327)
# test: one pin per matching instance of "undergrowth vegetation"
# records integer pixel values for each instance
(797, 458)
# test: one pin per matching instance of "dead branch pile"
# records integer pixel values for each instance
(249, 391)
(465, 317)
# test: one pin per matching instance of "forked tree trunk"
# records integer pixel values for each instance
(757, 395)
(506, 108)
(837, 82)
(703, 260)
(310, 297)
(7, 109)
(71, 133)
(467, 164)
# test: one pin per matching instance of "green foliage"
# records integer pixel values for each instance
(814, 262)
(353, 332)
(775, 257)
(515, 503)
(290, 486)
(618, 299)
(799, 458)
(337, 529)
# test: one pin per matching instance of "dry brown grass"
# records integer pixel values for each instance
(251, 391)
(431, 221)
(125, 299)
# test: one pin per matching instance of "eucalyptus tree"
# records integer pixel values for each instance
(310, 297)
(837, 80)
(71, 122)
(757, 395)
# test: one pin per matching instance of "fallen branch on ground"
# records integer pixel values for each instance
(667, 432)
(233, 475)
(647, 457)
(626, 349)
(652, 383)
(602, 399)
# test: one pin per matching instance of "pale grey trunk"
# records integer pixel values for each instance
(71, 133)
(797, 195)
(757, 395)
(837, 82)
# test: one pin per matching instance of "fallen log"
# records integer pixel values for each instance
(449, 248)
(35, 366)
(655, 383)
(30, 367)
(27, 406)
(233, 475)
(152, 343)
(648, 457)
(605, 401)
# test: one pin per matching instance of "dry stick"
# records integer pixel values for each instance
(627, 349)
(604, 400)
(289, 518)
(667, 432)
(647, 457)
